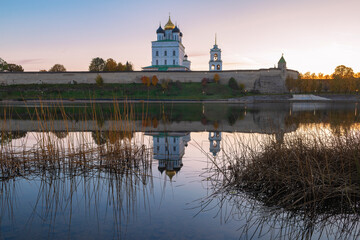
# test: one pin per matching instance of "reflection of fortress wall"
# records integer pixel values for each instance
(251, 123)
(263, 80)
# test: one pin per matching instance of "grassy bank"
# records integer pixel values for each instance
(173, 90)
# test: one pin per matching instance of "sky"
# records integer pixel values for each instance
(313, 35)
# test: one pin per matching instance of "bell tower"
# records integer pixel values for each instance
(215, 63)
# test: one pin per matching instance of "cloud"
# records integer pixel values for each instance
(198, 54)
(30, 61)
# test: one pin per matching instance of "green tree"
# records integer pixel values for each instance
(129, 67)
(233, 84)
(97, 65)
(15, 68)
(121, 67)
(3, 65)
(57, 68)
(110, 65)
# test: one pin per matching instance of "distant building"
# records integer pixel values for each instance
(215, 63)
(168, 52)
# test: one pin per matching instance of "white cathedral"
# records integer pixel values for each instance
(168, 52)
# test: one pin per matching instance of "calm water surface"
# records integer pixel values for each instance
(175, 198)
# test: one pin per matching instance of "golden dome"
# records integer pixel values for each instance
(169, 25)
(170, 174)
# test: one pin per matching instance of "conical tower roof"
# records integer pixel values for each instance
(282, 59)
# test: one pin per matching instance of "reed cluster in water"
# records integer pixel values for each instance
(297, 186)
(317, 172)
(74, 153)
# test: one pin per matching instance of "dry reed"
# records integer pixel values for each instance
(296, 187)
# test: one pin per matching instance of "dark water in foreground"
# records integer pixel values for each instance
(173, 197)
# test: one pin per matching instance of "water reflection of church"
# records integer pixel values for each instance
(169, 149)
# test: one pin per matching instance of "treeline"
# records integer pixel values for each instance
(10, 67)
(110, 65)
(343, 80)
(96, 65)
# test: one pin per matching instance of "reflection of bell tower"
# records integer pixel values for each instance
(214, 138)
(215, 63)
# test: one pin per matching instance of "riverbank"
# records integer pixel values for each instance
(174, 92)
(286, 98)
(134, 91)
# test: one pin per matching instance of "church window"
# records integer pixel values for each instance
(173, 62)
(157, 62)
(165, 62)
(174, 53)
(212, 67)
(165, 53)
(157, 139)
(157, 53)
(215, 57)
(174, 140)
(218, 67)
(174, 149)
(158, 148)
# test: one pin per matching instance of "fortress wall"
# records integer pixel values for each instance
(250, 78)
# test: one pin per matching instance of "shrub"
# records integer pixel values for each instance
(99, 80)
(165, 84)
(178, 84)
(216, 78)
(154, 80)
(204, 81)
(242, 87)
(145, 80)
(233, 84)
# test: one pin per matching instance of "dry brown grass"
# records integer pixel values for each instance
(302, 186)
(319, 172)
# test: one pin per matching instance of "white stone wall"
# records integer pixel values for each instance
(250, 78)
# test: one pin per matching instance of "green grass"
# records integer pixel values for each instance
(176, 91)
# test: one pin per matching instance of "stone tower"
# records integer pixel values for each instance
(215, 63)
(282, 64)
